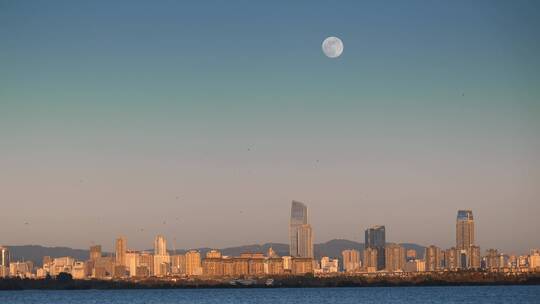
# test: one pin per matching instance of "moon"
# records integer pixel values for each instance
(332, 47)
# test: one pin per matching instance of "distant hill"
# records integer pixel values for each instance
(35, 253)
(331, 248)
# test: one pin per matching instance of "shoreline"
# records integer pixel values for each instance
(308, 281)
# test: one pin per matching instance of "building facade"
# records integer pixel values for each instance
(375, 238)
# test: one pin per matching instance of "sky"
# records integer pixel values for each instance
(203, 120)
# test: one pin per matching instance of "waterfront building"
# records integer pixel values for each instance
(375, 238)
(21, 269)
(411, 254)
(300, 232)
(4, 256)
(4, 262)
(120, 251)
(145, 264)
(370, 259)
(161, 257)
(193, 263)
(95, 252)
(213, 254)
(329, 265)
(287, 263)
(103, 268)
(131, 261)
(178, 264)
(160, 245)
(212, 266)
(305, 241)
(351, 260)
(301, 266)
(433, 258)
(394, 257)
(79, 270)
(474, 252)
(534, 260)
(492, 259)
(274, 266)
(240, 266)
(415, 266)
(451, 261)
(468, 252)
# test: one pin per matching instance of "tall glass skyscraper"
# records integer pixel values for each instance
(464, 229)
(375, 238)
(468, 252)
(300, 233)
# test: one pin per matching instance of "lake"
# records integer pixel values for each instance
(466, 294)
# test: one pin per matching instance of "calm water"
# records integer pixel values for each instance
(489, 294)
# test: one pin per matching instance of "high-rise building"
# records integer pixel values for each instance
(4, 257)
(351, 260)
(433, 258)
(120, 251)
(469, 256)
(160, 245)
(95, 252)
(464, 229)
(178, 264)
(370, 259)
(451, 259)
(394, 257)
(161, 257)
(300, 232)
(492, 259)
(375, 238)
(305, 241)
(4, 262)
(411, 254)
(193, 263)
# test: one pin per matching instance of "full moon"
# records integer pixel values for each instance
(332, 47)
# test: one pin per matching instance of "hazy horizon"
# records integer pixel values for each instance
(203, 122)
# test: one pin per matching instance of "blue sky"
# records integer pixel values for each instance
(109, 110)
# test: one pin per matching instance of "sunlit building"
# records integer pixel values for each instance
(95, 252)
(193, 263)
(394, 257)
(120, 251)
(351, 260)
(370, 259)
(433, 258)
(300, 232)
(375, 238)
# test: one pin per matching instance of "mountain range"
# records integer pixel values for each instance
(332, 248)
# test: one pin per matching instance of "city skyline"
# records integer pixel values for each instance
(136, 119)
(301, 244)
(378, 256)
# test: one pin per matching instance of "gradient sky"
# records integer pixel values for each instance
(203, 120)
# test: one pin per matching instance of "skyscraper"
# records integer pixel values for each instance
(95, 252)
(433, 257)
(305, 241)
(375, 238)
(464, 229)
(394, 257)
(4, 257)
(161, 257)
(120, 251)
(160, 245)
(370, 259)
(4, 262)
(300, 233)
(467, 251)
(351, 260)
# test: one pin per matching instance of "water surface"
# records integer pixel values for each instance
(483, 294)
